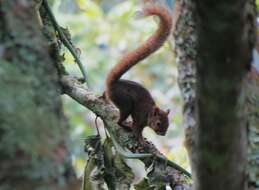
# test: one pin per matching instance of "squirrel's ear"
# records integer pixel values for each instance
(155, 111)
(167, 111)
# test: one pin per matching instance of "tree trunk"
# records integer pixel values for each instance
(252, 103)
(33, 134)
(224, 55)
(213, 146)
(185, 40)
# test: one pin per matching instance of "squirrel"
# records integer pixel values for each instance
(130, 97)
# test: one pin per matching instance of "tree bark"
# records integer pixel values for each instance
(252, 103)
(32, 126)
(223, 57)
(185, 48)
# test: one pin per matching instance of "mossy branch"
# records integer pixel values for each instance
(109, 114)
(63, 38)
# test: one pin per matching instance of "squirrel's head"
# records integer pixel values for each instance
(158, 120)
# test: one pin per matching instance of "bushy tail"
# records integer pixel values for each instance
(153, 43)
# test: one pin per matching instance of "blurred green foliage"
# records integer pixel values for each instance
(103, 31)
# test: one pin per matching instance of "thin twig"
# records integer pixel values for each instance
(65, 41)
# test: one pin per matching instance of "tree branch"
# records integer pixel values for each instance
(147, 152)
(65, 40)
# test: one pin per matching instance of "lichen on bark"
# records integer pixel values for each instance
(31, 120)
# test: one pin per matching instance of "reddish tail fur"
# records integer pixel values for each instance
(153, 43)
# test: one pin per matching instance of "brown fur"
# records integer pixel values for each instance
(132, 98)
